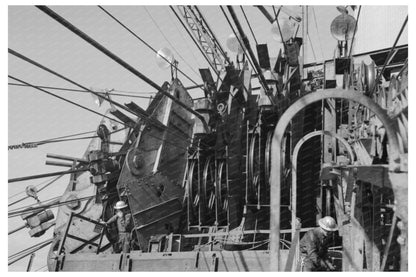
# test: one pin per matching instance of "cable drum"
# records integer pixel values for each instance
(222, 187)
(254, 167)
(209, 181)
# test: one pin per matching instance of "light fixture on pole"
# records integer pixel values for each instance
(165, 59)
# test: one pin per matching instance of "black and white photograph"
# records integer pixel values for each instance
(208, 137)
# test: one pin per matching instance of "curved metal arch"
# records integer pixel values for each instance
(300, 104)
(295, 162)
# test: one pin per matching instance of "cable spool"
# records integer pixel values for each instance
(342, 27)
(134, 162)
(208, 182)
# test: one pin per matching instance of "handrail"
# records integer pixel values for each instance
(86, 242)
(293, 257)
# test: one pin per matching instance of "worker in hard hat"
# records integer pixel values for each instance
(314, 246)
(124, 226)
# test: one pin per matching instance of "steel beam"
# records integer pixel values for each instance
(295, 162)
(276, 170)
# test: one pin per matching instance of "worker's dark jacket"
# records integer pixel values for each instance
(124, 227)
(313, 250)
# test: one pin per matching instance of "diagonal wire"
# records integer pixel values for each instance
(184, 39)
(66, 100)
(193, 39)
(38, 190)
(249, 25)
(84, 91)
(167, 40)
(148, 119)
(317, 31)
(143, 41)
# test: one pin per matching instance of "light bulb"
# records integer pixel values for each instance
(233, 44)
(287, 27)
(164, 58)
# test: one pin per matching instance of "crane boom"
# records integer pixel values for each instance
(201, 31)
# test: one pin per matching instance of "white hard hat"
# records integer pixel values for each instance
(328, 223)
(120, 205)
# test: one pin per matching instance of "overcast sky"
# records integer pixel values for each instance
(33, 115)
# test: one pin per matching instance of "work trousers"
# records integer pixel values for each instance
(123, 242)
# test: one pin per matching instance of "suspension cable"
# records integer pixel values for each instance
(249, 25)
(168, 41)
(84, 91)
(64, 99)
(144, 42)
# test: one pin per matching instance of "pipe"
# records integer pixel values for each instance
(117, 59)
(295, 162)
(19, 179)
(65, 158)
(58, 164)
(29, 264)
